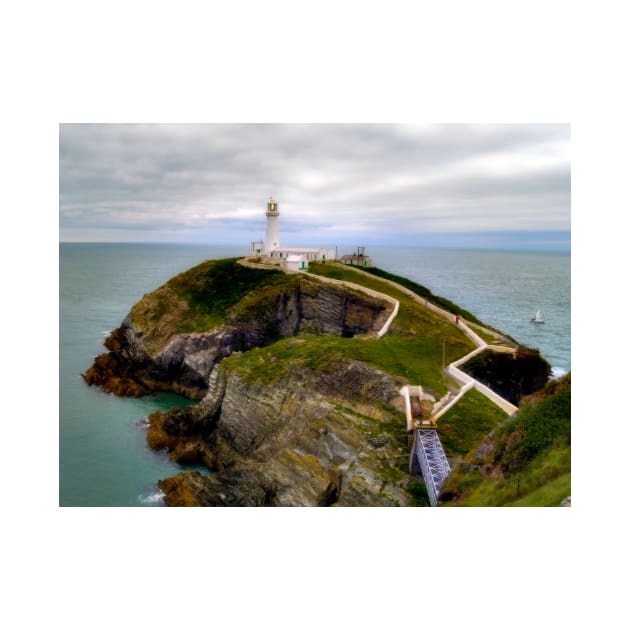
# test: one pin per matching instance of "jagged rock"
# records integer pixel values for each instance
(186, 490)
(147, 354)
(288, 442)
(484, 449)
(110, 373)
(315, 432)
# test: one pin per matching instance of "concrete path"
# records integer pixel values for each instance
(465, 381)
(427, 455)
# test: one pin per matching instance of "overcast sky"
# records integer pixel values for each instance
(461, 185)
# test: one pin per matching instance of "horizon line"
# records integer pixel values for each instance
(563, 248)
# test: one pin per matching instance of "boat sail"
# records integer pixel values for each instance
(538, 318)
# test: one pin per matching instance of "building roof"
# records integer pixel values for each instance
(298, 250)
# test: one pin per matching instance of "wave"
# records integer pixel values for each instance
(557, 372)
(153, 498)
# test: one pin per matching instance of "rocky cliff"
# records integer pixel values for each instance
(294, 408)
(150, 351)
(281, 420)
(306, 438)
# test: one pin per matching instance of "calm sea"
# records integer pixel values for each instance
(104, 460)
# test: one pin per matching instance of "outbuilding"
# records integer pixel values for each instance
(358, 259)
(294, 262)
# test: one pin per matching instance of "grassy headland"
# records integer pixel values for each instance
(199, 298)
(310, 343)
(469, 421)
(214, 286)
(418, 340)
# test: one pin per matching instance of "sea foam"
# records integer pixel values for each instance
(557, 372)
(153, 498)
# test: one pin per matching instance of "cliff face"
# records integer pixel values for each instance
(281, 419)
(310, 437)
(289, 413)
(148, 353)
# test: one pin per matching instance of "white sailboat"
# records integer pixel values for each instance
(538, 318)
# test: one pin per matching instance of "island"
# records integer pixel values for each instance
(299, 380)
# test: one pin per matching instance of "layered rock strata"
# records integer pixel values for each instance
(280, 435)
(310, 438)
(147, 354)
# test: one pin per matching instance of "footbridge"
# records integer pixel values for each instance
(428, 458)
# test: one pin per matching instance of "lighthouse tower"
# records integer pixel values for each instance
(272, 240)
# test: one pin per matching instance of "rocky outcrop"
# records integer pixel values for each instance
(310, 438)
(147, 354)
(284, 432)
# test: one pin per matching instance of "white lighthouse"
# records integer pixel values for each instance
(291, 258)
(272, 240)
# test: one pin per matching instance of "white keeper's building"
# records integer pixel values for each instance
(294, 258)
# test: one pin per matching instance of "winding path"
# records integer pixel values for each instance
(427, 455)
(465, 381)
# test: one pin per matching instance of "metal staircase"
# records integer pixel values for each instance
(428, 458)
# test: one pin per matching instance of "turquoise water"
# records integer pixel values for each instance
(103, 458)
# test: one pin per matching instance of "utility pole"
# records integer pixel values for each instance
(443, 360)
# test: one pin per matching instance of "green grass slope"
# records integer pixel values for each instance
(468, 422)
(521, 461)
(214, 286)
(525, 462)
(199, 298)
(417, 342)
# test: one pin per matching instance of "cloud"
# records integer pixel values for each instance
(330, 180)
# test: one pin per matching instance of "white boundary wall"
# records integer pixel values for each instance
(506, 405)
(390, 319)
(469, 382)
(404, 391)
(465, 381)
